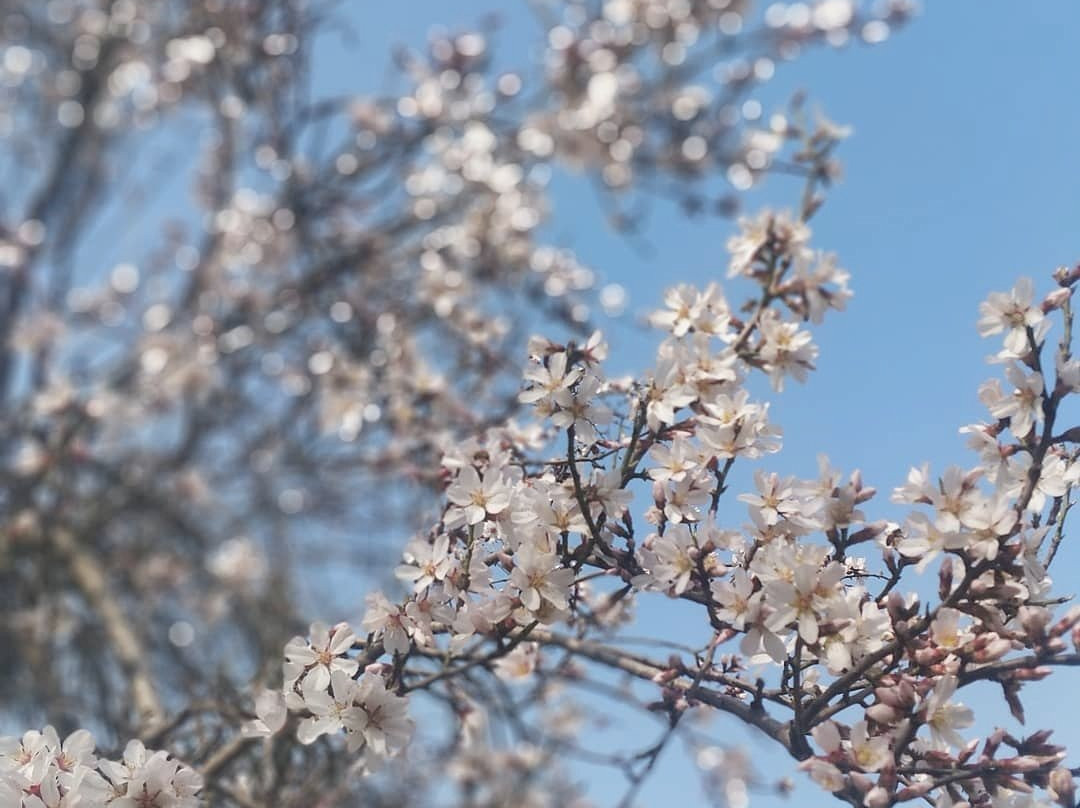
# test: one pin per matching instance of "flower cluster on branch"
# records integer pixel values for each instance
(40, 771)
(865, 677)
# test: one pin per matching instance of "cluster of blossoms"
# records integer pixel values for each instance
(333, 298)
(520, 539)
(330, 303)
(526, 545)
(607, 113)
(39, 771)
(324, 683)
(998, 526)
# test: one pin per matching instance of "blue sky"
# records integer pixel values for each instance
(961, 175)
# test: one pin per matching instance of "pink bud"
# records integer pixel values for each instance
(1034, 619)
(882, 714)
(877, 797)
(945, 580)
(895, 605)
(1031, 674)
(1069, 621)
(889, 696)
(915, 791)
(659, 493)
(867, 533)
(1014, 784)
(900, 695)
(968, 750)
(1055, 300)
(993, 742)
(1063, 787)
(928, 656)
(995, 649)
(907, 692)
(1020, 764)
(1056, 645)
(861, 781)
(1061, 275)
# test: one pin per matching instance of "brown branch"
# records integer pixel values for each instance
(90, 577)
(779, 731)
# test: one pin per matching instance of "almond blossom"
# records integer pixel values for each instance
(536, 556)
(870, 754)
(945, 717)
(548, 378)
(786, 351)
(806, 600)
(316, 659)
(379, 721)
(1023, 407)
(40, 771)
(1011, 312)
(671, 559)
(477, 496)
(540, 580)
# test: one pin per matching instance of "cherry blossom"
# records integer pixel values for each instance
(330, 317)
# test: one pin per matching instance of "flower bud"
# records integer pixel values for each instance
(659, 493)
(1055, 300)
(995, 649)
(928, 656)
(917, 790)
(867, 533)
(877, 797)
(945, 580)
(969, 749)
(896, 607)
(1063, 787)
(1024, 763)
(1015, 784)
(993, 742)
(900, 695)
(882, 714)
(725, 635)
(1069, 621)
(1031, 674)
(861, 781)
(1061, 275)
(1034, 619)
(889, 696)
